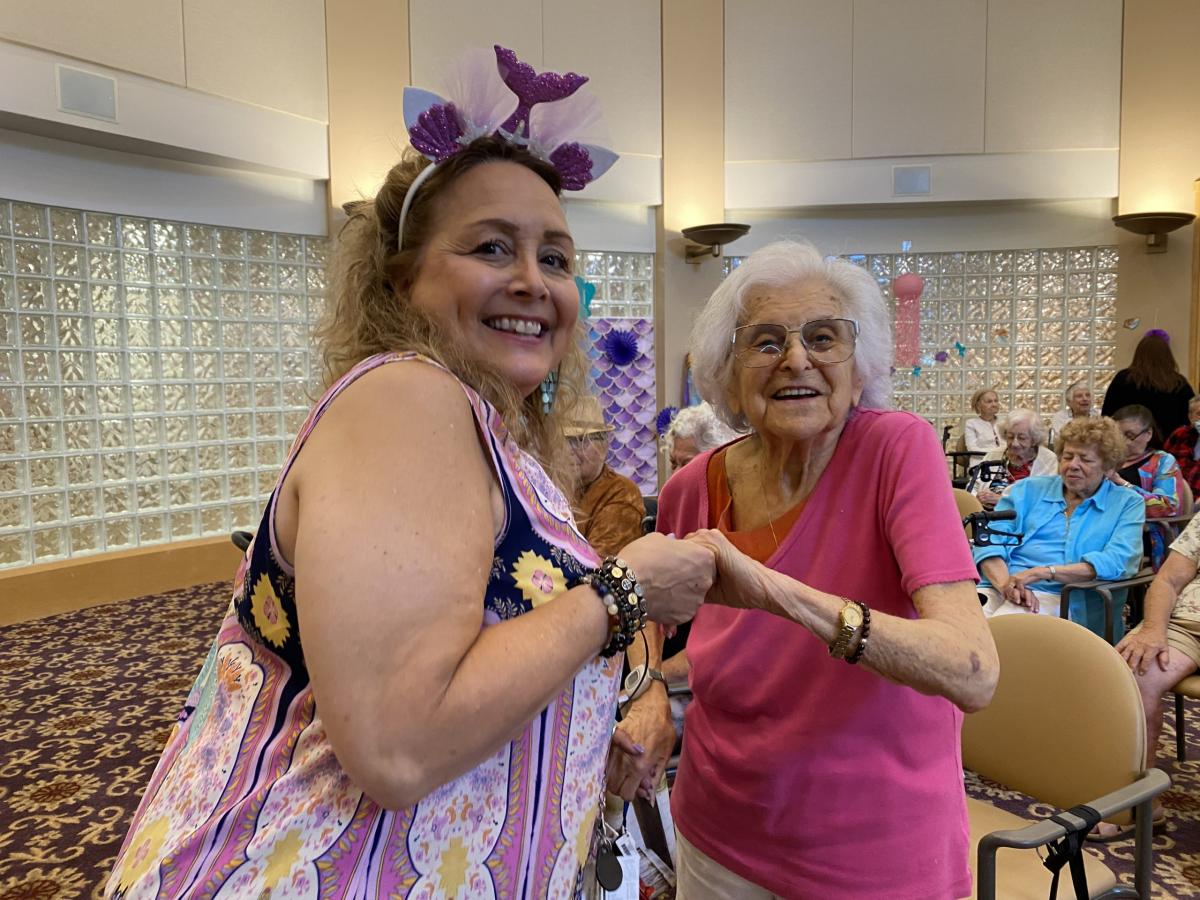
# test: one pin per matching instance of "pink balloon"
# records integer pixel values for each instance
(908, 286)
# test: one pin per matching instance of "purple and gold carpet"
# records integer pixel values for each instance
(87, 700)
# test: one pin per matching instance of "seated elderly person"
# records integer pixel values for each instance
(1023, 454)
(695, 430)
(1184, 444)
(1079, 406)
(980, 431)
(1077, 526)
(1165, 647)
(609, 509)
(1153, 474)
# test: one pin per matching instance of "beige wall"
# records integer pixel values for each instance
(1160, 160)
(269, 53)
(693, 175)
(369, 63)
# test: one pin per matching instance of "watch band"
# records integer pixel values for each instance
(1053, 573)
(849, 620)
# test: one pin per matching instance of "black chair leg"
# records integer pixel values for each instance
(1180, 736)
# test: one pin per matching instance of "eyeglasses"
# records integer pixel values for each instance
(827, 341)
(1135, 436)
(592, 437)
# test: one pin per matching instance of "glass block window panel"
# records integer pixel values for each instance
(624, 283)
(1029, 321)
(142, 362)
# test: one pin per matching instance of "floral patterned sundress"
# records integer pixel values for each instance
(249, 801)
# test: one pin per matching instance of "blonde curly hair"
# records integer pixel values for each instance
(1101, 433)
(369, 311)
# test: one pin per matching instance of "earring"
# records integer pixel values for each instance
(549, 388)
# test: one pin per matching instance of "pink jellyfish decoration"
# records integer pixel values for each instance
(908, 288)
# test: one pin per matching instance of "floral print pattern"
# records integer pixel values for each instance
(248, 799)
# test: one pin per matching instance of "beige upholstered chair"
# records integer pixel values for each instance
(967, 503)
(1188, 687)
(1065, 727)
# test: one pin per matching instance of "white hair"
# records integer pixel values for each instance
(782, 264)
(700, 423)
(1028, 418)
(1082, 382)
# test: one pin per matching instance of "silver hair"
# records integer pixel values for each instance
(1082, 382)
(702, 425)
(782, 264)
(1028, 418)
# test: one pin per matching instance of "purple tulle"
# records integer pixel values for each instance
(1159, 333)
(437, 131)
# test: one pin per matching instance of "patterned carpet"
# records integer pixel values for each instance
(87, 700)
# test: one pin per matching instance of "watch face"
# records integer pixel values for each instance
(852, 616)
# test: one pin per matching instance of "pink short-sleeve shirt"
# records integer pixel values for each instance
(803, 774)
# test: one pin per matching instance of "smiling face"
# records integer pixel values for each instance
(1080, 401)
(1082, 469)
(791, 398)
(989, 405)
(496, 271)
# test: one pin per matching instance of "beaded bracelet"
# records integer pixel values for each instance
(866, 631)
(622, 596)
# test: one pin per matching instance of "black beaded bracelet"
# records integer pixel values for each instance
(622, 595)
(866, 631)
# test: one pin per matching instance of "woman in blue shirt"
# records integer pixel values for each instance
(1077, 525)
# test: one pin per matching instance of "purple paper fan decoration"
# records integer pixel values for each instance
(941, 356)
(663, 420)
(437, 131)
(1159, 333)
(620, 347)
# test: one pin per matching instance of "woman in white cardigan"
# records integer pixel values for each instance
(1023, 454)
(980, 434)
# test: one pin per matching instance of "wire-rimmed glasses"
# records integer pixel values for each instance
(827, 341)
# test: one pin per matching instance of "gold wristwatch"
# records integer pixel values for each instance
(850, 619)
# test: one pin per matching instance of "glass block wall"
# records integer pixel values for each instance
(151, 375)
(624, 283)
(1029, 323)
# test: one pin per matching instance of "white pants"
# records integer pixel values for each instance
(1048, 604)
(697, 877)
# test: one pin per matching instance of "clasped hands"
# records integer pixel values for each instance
(1017, 589)
(643, 741)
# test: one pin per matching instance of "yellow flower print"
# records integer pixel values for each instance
(453, 871)
(538, 578)
(583, 837)
(142, 854)
(269, 616)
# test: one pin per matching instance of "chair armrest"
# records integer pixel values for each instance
(1104, 589)
(1147, 786)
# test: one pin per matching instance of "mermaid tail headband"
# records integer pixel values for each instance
(503, 96)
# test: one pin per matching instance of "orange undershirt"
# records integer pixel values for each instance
(757, 543)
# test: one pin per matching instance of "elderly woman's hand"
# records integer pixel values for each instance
(987, 498)
(741, 582)
(675, 576)
(641, 746)
(1018, 590)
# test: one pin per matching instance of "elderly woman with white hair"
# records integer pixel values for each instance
(821, 751)
(693, 430)
(1023, 454)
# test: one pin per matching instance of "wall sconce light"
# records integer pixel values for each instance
(1154, 225)
(710, 239)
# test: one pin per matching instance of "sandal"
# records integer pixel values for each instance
(1123, 832)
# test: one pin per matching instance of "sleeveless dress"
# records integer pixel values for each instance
(249, 801)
